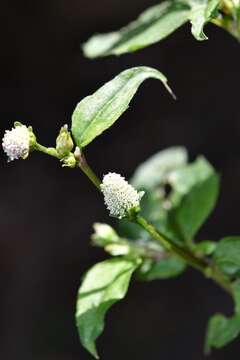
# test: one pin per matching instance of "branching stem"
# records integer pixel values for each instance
(201, 264)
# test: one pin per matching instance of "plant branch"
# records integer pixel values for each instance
(47, 150)
(82, 163)
(203, 265)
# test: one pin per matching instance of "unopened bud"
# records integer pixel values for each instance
(64, 142)
(69, 161)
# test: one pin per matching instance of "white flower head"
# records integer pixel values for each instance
(119, 196)
(16, 142)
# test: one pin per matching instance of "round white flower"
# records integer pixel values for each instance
(119, 196)
(16, 142)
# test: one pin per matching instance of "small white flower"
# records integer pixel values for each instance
(119, 196)
(16, 142)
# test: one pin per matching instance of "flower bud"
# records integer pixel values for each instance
(64, 142)
(104, 234)
(69, 161)
(107, 237)
(120, 197)
(18, 142)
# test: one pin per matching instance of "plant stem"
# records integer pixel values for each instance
(82, 162)
(195, 262)
(91, 175)
(201, 264)
(47, 150)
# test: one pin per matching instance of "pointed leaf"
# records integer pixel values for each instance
(202, 11)
(97, 112)
(151, 26)
(104, 284)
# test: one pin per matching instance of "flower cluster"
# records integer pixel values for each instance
(119, 196)
(16, 142)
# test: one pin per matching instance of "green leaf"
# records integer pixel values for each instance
(227, 255)
(104, 234)
(180, 214)
(195, 207)
(155, 170)
(104, 284)
(165, 268)
(236, 295)
(193, 196)
(184, 179)
(151, 176)
(205, 247)
(230, 21)
(151, 26)
(221, 331)
(97, 112)
(202, 11)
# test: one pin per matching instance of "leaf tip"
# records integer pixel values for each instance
(170, 91)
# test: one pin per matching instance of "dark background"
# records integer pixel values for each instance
(46, 212)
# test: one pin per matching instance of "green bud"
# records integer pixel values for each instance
(64, 142)
(117, 249)
(69, 161)
(104, 234)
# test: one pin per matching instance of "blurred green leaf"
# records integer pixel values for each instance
(151, 26)
(221, 331)
(193, 196)
(195, 207)
(229, 20)
(236, 295)
(152, 176)
(104, 234)
(193, 193)
(182, 180)
(104, 284)
(97, 112)
(227, 255)
(165, 268)
(155, 170)
(202, 11)
(206, 247)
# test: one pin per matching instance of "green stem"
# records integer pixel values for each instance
(197, 263)
(47, 150)
(200, 264)
(90, 174)
(88, 171)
